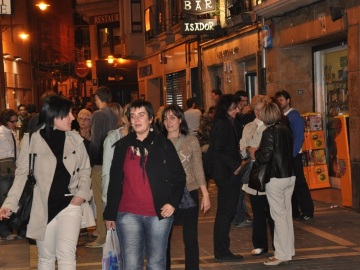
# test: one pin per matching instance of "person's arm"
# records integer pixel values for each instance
(265, 151)
(297, 128)
(197, 165)
(107, 159)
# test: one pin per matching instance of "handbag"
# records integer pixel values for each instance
(111, 252)
(7, 166)
(20, 218)
(259, 176)
(244, 173)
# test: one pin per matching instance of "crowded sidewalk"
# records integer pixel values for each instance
(329, 241)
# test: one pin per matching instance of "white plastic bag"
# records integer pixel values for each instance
(111, 252)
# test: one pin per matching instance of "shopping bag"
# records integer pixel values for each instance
(111, 252)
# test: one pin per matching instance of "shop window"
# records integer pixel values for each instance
(109, 41)
(176, 88)
(136, 22)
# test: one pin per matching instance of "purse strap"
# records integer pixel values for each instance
(32, 157)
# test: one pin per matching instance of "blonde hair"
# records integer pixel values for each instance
(270, 113)
(259, 99)
(118, 111)
(84, 112)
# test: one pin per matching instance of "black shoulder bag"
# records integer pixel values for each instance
(20, 218)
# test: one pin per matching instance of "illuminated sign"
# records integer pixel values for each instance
(200, 26)
(198, 6)
(106, 18)
(5, 7)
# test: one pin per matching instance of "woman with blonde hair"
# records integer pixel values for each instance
(275, 152)
(251, 138)
(112, 137)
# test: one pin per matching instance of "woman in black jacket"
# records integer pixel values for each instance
(224, 161)
(146, 186)
(275, 150)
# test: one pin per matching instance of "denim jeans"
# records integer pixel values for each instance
(143, 236)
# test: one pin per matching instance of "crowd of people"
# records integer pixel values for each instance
(144, 173)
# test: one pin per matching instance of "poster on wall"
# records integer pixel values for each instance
(5, 7)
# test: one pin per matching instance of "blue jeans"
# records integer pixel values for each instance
(143, 236)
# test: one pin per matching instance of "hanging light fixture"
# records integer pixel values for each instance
(110, 59)
(89, 63)
(42, 5)
(23, 35)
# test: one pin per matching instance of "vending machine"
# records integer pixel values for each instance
(314, 152)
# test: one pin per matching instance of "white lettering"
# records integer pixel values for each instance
(198, 5)
(187, 5)
(208, 4)
(199, 26)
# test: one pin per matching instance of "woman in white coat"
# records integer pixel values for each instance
(62, 172)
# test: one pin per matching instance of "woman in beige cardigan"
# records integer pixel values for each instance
(62, 172)
(174, 126)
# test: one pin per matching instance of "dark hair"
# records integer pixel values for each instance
(179, 113)
(104, 94)
(5, 116)
(224, 105)
(283, 93)
(217, 92)
(241, 93)
(54, 106)
(211, 109)
(31, 108)
(45, 95)
(190, 102)
(138, 103)
(21, 105)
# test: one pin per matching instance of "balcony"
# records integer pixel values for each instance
(272, 8)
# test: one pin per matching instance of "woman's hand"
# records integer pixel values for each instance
(5, 213)
(252, 151)
(110, 225)
(76, 200)
(167, 210)
(205, 202)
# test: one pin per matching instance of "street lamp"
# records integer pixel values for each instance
(42, 5)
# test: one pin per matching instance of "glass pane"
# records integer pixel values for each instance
(104, 42)
(116, 41)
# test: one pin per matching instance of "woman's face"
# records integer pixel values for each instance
(171, 122)
(140, 121)
(233, 110)
(65, 123)
(84, 121)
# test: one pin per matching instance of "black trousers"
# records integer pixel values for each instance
(261, 216)
(188, 218)
(228, 196)
(301, 200)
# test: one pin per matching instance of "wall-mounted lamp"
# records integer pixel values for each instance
(88, 63)
(23, 35)
(110, 59)
(42, 5)
(17, 58)
(6, 55)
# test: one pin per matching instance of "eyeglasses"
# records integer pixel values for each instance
(83, 119)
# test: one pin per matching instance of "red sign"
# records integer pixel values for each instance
(81, 69)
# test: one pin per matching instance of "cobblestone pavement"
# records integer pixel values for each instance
(330, 241)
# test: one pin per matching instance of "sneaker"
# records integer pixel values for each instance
(305, 218)
(247, 215)
(94, 245)
(245, 223)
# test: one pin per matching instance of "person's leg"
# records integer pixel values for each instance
(275, 192)
(5, 229)
(131, 230)
(47, 247)
(156, 239)
(259, 233)
(240, 209)
(190, 234)
(270, 221)
(288, 193)
(301, 189)
(228, 196)
(67, 235)
(96, 180)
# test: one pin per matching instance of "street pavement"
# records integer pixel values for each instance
(330, 241)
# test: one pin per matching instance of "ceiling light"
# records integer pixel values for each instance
(23, 35)
(6, 55)
(17, 58)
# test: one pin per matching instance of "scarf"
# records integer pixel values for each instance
(142, 146)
